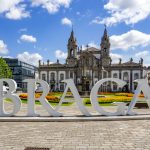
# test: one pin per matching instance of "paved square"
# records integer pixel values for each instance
(100, 135)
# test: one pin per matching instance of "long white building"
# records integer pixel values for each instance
(88, 66)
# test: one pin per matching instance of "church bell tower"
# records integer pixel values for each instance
(105, 49)
(72, 50)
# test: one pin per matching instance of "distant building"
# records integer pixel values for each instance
(148, 74)
(88, 66)
(21, 71)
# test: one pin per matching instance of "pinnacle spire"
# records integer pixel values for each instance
(105, 31)
(72, 37)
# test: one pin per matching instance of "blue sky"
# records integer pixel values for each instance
(39, 29)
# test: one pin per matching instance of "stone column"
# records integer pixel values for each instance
(57, 80)
(48, 77)
(39, 74)
(119, 74)
(131, 74)
(141, 74)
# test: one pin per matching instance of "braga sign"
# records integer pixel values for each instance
(31, 84)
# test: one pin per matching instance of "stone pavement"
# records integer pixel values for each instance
(100, 135)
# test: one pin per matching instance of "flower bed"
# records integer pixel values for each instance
(119, 94)
(51, 98)
(109, 100)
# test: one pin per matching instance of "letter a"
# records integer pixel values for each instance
(144, 87)
(78, 100)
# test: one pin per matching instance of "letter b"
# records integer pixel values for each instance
(10, 94)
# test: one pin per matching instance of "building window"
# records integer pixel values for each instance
(62, 87)
(126, 76)
(115, 87)
(71, 74)
(104, 74)
(72, 53)
(115, 75)
(136, 76)
(53, 76)
(44, 77)
(88, 74)
(61, 76)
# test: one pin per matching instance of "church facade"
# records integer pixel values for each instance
(88, 66)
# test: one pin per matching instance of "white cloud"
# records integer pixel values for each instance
(17, 13)
(145, 55)
(96, 20)
(28, 38)
(128, 11)
(66, 21)
(13, 9)
(3, 48)
(93, 44)
(16, 9)
(22, 30)
(52, 6)
(31, 58)
(142, 54)
(90, 44)
(131, 39)
(60, 54)
(8, 57)
(115, 57)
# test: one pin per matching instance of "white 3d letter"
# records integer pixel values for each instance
(145, 88)
(14, 98)
(31, 98)
(94, 101)
(71, 85)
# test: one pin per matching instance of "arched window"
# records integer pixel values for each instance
(52, 76)
(126, 76)
(71, 52)
(104, 74)
(115, 75)
(71, 74)
(115, 86)
(44, 77)
(61, 76)
(136, 76)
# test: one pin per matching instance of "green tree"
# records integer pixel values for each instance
(5, 71)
